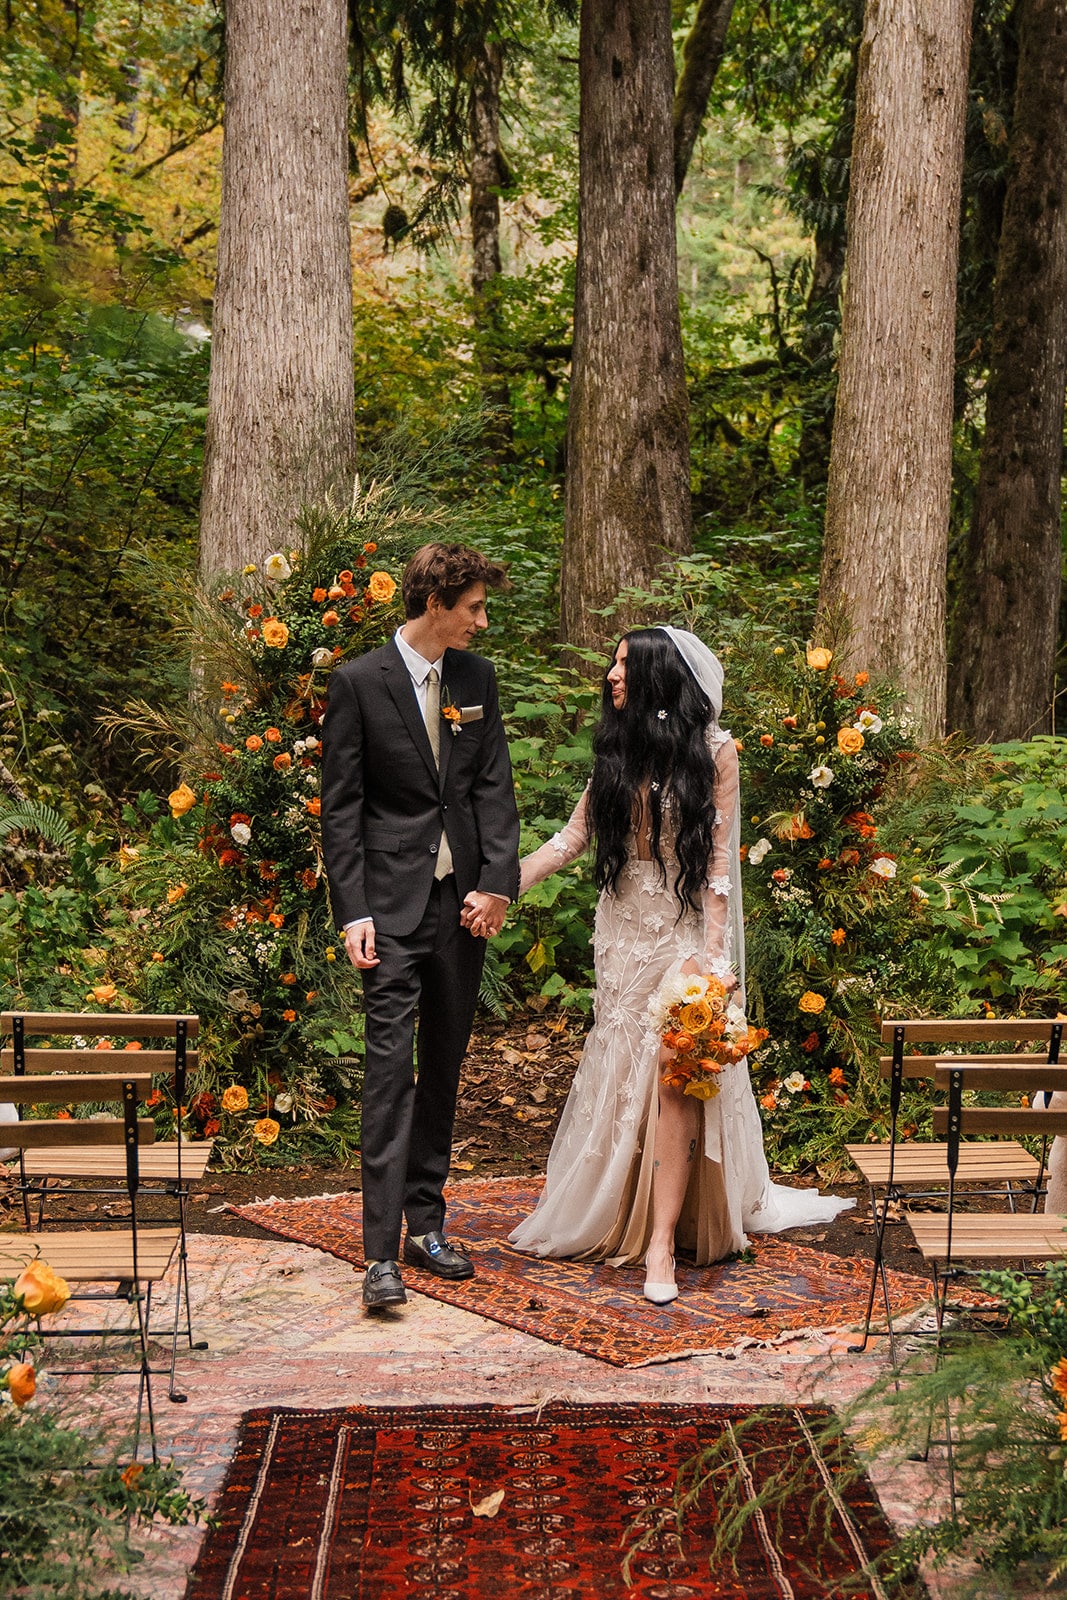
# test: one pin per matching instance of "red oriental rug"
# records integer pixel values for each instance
(362, 1504)
(600, 1310)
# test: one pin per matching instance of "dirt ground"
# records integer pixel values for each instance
(514, 1083)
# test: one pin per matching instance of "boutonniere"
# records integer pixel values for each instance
(459, 716)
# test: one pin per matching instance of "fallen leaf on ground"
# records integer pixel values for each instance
(490, 1505)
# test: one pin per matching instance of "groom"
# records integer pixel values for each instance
(420, 836)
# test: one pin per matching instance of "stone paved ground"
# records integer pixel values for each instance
(285, 1327)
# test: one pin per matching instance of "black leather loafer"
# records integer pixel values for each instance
(436, 1255)
(383, 1286)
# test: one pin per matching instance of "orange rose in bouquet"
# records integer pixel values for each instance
(705, 1030)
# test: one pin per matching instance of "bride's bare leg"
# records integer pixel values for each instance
(677, 1131)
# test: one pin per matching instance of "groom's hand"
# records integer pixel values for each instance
(483, 914)
(359, 942)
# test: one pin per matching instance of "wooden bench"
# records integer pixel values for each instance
(90, 1167)
(131, 1260)
(900, 1171)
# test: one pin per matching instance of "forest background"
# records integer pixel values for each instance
(158, 751)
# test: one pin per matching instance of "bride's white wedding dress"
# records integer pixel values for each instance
(597, 1199)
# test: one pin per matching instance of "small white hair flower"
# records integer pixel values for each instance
(661, 716)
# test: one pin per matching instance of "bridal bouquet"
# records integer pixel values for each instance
(696, 1018)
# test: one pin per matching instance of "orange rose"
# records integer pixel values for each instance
(272, 735)
(312, 994)
(819, 659)
(683, 1042)
(370, 548)
(789, 722)
(181, 800)
(850, 741)
(266, 1130)
(39, 1290)
(235, 1098)
(289, 1016)
(253, 742)
(318, 595)
(811, 1004)
(281, 763)
(20, 1381)
(768, 1102)
(695, 1017)
(344, 577)
(275, 634)
(288, 977)
(103, 993)
(766, 739)
(255, 611)
(330, 619)
(380, 587)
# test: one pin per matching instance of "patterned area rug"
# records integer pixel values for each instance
(357, 1504)
(600, 1310)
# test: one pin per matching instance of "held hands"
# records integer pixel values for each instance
(483, 914)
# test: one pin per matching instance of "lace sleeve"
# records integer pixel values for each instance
(563, 848)
(721, 891)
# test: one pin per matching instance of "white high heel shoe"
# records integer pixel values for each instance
(661, 1294)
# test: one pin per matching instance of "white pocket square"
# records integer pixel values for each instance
(470, 714)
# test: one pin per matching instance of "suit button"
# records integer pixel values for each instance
(433, 849)
(444, 808)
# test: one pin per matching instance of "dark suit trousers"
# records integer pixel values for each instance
(407, 1121)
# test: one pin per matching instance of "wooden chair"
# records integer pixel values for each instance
(132, 1260)
(949, 1239)
(896, 1172)
(95, 1168)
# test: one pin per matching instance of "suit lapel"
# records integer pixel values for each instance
(398, 682)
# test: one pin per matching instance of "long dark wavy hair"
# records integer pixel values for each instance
(639, 748)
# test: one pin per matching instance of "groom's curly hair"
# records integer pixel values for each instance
(446, 570)
(655, 746)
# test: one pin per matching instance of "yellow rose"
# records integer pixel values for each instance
(235, 1098)
(695, 1016)
(181, 800)
(380, 586)
(850, 741)
(40, 1290)
(103, 993)
(702, 1090)
(819, 659)
(811, 1003)
(275, 634)
(20, 1380)
(266, 1130)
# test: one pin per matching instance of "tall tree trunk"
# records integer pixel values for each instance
(1007, 613)
(701, 55)
(891, 456)
(488, 175)
(280, 400)
(627, 501)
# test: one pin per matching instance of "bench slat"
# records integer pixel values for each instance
(127, 1024)
(61, 1133)
(1006, 1236)
(1009, 1080)
(926, 1066)
(1002, 1119)
(60, 1089)
(918, 1162)
(969, 1028)
(92, 1257)
(155, 1161)
(41, 1060)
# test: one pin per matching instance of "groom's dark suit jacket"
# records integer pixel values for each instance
(384, 802)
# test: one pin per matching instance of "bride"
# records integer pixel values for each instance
(637, 1165)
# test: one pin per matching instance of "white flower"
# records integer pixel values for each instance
(283, 1103)
(758, 851)
(311, 743)
(696, 988)
(277, 567)
(321, 658)
(821, 777)
(883, 867)
(241, 833)
(794, 1083)
(867, 722)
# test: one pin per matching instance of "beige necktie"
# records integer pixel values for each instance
(433, 728)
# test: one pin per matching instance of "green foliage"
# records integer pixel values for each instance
(68, 1503)
(1006, 1395)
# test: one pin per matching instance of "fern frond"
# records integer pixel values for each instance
(31, 816)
